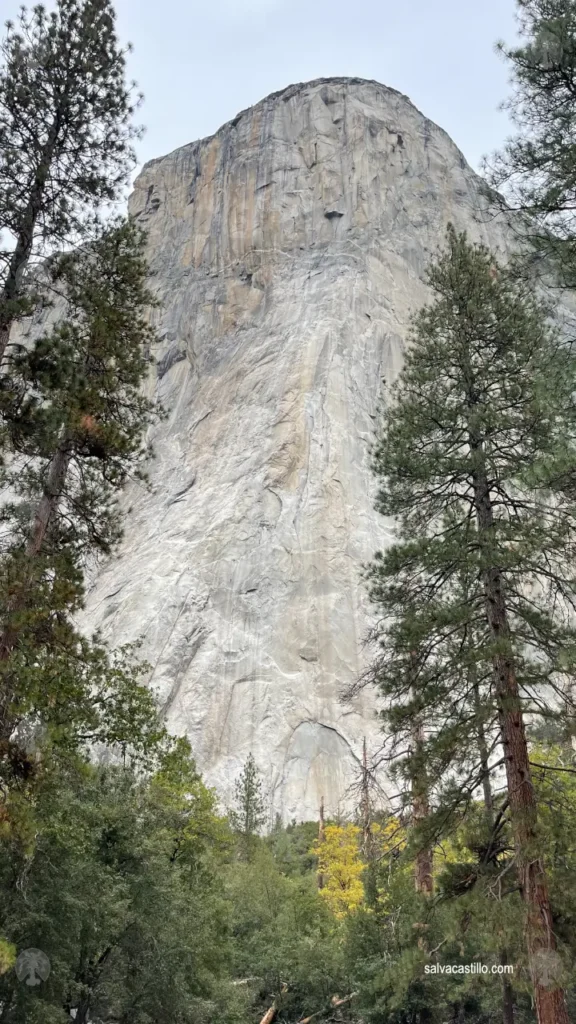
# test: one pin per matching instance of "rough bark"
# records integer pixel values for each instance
(483, 754)
(82, 1011)
(507, 995)
(271, 1013)
(88, 978)
(12, 289)
(420, 810)
(7, 1006)
(423, 866)
(55, 481)
(549, 998)
(365, 808)
(507, 990)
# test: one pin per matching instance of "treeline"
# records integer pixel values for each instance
(151, 905)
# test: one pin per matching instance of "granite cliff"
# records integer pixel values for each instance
(288, 251)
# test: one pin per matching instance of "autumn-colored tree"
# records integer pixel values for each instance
(341, 866)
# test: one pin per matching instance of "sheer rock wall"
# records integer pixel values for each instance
(288, 251)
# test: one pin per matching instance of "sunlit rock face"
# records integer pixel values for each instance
(288, 251)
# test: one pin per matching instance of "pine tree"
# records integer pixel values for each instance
(77, 426)
(80, 413)
(65, 137)
(537, 166)
(476, 460)
(248, 816)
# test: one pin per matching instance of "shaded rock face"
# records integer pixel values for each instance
(288, 251)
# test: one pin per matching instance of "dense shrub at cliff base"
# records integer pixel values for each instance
(131, 882)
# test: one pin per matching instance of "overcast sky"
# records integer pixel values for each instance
(200, 62)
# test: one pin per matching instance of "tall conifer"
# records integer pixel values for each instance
(536, 169)
(77, 425)
(476, 458)
(65, 137)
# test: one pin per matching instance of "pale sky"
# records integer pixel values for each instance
(200, 62)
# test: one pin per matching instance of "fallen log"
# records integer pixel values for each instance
(334, 1002)
(271, 1013)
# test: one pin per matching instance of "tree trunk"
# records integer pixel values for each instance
(423, 864)
(82, 1011)
(420, 810)
(53, 487)
(507, 990)
(507, 994)
(55, 480)
(7, 1006)
(321, 879)
(335, 1002)
(541, 942)
(423, 867)
(20, 258)
(483, 752)
(365, 808)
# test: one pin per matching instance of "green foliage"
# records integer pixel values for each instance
(129, 884)
(291, 847)
(76, 390)
(556, 789)
(120, 890)
(475, 460)
(392, 944)
(487, 383)
(476, 916)
(536, 167)
(247, 816)
(284, 936)
(65, 135)
(73, 697)
(76, 414)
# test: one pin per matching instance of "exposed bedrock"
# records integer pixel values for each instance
(288, 251)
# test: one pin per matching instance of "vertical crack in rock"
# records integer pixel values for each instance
(288, 251)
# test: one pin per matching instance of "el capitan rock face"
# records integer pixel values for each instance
(288, 251)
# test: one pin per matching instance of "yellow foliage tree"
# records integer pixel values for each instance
(388, 836)
(7, 956)
(341, 866)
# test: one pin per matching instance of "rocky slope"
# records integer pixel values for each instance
(288, 251)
